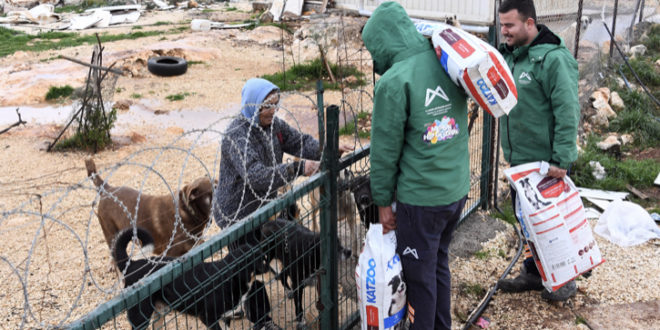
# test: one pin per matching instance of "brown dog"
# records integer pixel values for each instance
(117, 207)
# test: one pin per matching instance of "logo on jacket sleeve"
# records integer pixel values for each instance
(432, 93)
(440, 130)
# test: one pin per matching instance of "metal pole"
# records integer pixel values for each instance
(641, 12)
(321, 116)
(632, 22)
(616, 7)
(578, 29)
(329, 281)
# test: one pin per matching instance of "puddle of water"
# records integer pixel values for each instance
(35, 115)
(597, 33)
(138, 116)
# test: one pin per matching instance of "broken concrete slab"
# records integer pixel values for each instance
(121, 14)
(602, 194)
(41, 14)
(602, 204)
(82, 22)
(292, 9)
(162, 5)
(276, 10)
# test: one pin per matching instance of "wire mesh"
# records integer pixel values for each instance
(61, 283)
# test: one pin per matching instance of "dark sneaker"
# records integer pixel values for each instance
(567, 291)
(524, 282)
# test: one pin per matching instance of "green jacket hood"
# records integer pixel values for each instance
(391, 36)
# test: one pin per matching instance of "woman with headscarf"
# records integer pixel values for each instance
(251, 168)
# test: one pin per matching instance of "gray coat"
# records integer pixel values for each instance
(251, 168)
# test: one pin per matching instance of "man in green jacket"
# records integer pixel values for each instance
(543, 125)
(419, 147)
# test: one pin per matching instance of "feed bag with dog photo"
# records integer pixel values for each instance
(380, 283)
(477, 67)
(554, 224)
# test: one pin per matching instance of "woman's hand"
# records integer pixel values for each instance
(344, 148)
(311, 167)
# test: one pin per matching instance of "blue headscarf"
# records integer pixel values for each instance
(254, 92)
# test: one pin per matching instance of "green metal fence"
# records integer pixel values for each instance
(327, 292)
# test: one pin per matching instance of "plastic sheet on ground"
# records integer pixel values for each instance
(626, 224)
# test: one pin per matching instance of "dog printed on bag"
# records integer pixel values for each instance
(398, 286)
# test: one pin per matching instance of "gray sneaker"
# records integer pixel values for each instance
(562, 294)
(526, 281)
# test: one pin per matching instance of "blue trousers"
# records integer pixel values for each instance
(423, 235)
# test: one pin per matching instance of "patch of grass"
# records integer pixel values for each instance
(195, 62)
(55, 93)
(136, 95)
(474, 289)
(159, 23)
(653, 42)
(181, 28)
(69, 9)
(508, 214)
(645, 69)
(119, 90)
(638, 119)
(177, 97)
(95, 135)
(137, 27)
(501, 253)
(231, 9)
(13, 41)
(349, 128)
(482, 255)
(638, 173)
(304, 76)
(580, 320)
(207, 10)
(49, 59)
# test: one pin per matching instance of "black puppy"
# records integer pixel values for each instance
(299, 251)
(360, 186)
(217, 295)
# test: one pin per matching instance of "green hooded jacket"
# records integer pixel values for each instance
(544, 123)
(419, 138)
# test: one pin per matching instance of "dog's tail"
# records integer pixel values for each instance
(91, 172)
(121, 243)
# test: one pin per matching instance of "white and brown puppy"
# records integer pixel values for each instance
(156, 214)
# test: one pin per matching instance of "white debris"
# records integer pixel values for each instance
(598, 170)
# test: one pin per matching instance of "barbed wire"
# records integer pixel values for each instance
(54, 263)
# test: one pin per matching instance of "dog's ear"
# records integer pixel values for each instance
(198, 188)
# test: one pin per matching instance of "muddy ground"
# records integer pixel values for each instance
(57, 265)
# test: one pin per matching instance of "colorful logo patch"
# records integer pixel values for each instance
(440, 130)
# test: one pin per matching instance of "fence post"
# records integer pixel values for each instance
(487, 144)
(329, 281)
(319, 104)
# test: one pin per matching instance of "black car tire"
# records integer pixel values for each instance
(167, 66)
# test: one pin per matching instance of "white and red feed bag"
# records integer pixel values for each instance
(554, 224)
(477, 67)
(380, 284)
